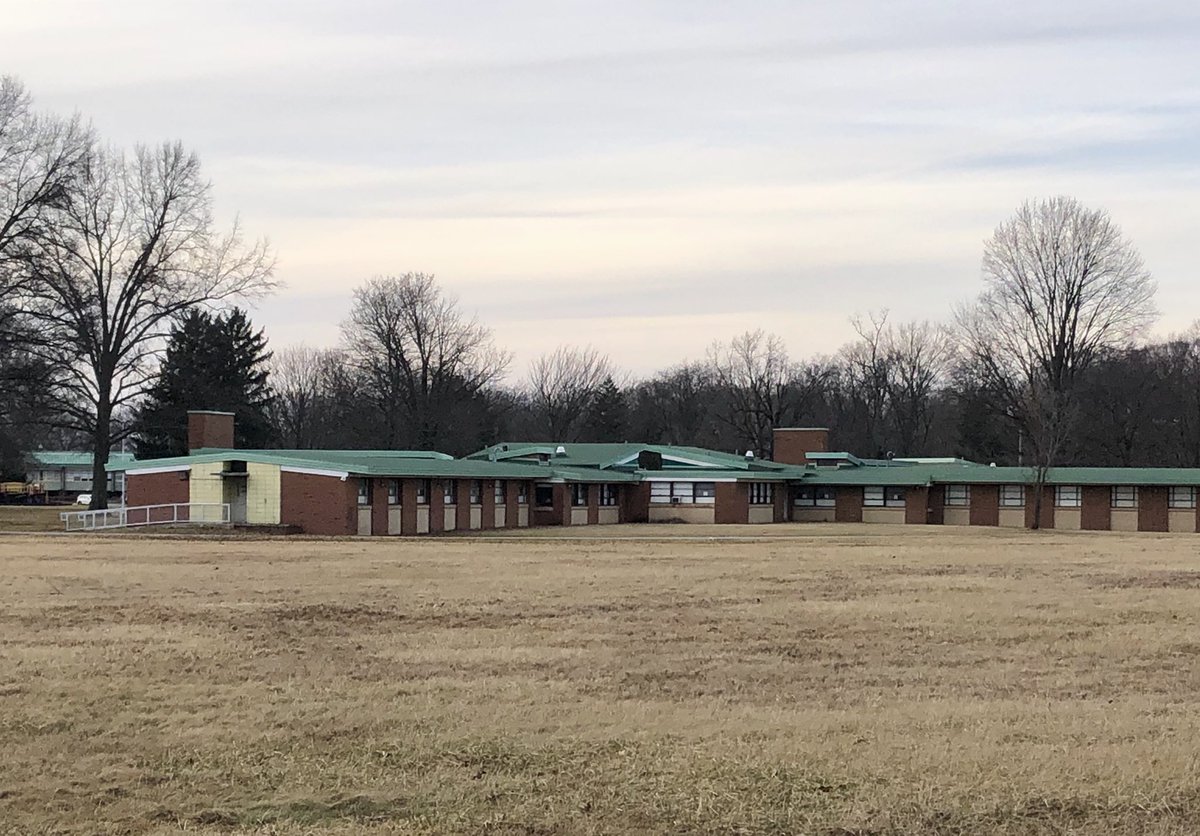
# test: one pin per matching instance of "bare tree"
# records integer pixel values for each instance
(301, 381)
(917, 359)
(677, 404)
(762, 388)
(563, 384)
(131, 247)
(1061, 285)
(40, 158)
(866, 374)
(423, 356)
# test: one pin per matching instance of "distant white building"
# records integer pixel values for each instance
(59, 471)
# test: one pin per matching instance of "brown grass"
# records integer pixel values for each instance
(826, 679)
(31, 517)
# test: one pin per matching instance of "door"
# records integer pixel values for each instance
(235, 495)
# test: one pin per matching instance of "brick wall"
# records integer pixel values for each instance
(1153, 509)
(848, 504)
(985, 505)
(157, 488)
(732, 503)
(1096, 514)
(319, 504)
(916, 506)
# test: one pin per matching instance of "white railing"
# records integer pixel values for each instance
(179, 513)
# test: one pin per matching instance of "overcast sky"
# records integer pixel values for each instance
(646, 176)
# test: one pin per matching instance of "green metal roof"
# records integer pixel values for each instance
(976, 474)
(609, 455)
(70, 458)
(346, 454)
(384, 463)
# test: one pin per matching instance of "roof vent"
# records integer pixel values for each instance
(749, 454)
(993, 464)
(560, 450)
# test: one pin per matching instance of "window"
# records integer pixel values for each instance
(762, 493)
(423, 492)
(1012, 496)
(1067, 496)
(476, 492)
(579, 494)
(875, 496)
(705, 493)
(393, 491)
(450, 492)
(522, 493)
(679, 493)
(608, 495)
(364, 491)
(543, 495)
(1124, 496)
(500, 491)
(958, 495)
(1182, 497)
(814, 496)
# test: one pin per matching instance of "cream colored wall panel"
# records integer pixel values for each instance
(204, 485)
(1067, 519)
(364, 522)
(476, 517)
(423, 520)
(1124, 519)
(956, 516)
(813, 514)
(883, 515)
(501, 516)
(695, 514)
(609, 516)
(449, 517)
(1182, 520)
(762, 514)
(394, 519)
(1012, 517)
(262, 493)
(579, 516)
(523, 516)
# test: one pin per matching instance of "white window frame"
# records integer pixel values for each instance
(475, 495)
(423, 491)
(1068, 496)
(762, 493)
(1007, 501)
(450, 492)
(1188, 502)
(957, 496)
(608, 495)
(579, 494)
(873, 496)
(499, 489)
(393, 491)
(891, 501)
(1123, 497)
(364, 491)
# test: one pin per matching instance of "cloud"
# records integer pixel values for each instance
(646, 176)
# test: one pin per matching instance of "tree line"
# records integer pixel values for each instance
(119, 311)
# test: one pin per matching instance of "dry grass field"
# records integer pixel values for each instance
(31, 517)
(826, 679)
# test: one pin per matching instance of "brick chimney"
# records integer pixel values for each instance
(209, 429)
(793, 444)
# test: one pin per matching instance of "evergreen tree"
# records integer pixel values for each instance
(212, 362)
(607, 416)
